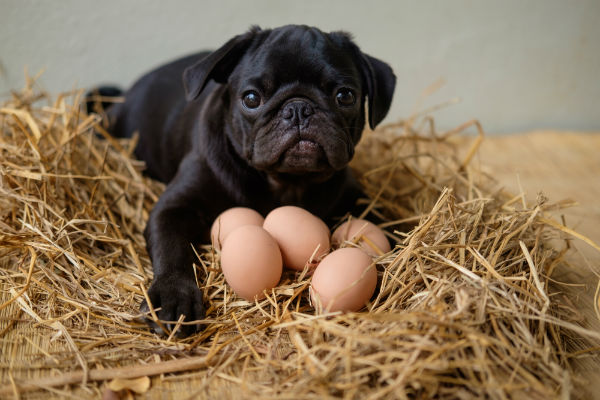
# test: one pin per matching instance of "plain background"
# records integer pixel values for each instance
(515, 65)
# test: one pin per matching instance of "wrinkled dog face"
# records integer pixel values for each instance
(297, 98)
(299, 103)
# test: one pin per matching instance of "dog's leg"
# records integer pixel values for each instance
(175, 223)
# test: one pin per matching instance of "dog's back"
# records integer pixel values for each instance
(151, 108)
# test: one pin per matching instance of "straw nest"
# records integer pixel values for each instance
(466, 306)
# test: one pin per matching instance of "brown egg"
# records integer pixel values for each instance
(251, 261)
(299, 234)
(356, 230)
(231, 219)
(344, 281)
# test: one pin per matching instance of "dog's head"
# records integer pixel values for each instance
(296, 97)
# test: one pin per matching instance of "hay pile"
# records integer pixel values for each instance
(466, 305)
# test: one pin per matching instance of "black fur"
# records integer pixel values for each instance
(102, 98)
(216, 153)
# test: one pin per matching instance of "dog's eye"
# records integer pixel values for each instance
(251, 99)
(345, 97)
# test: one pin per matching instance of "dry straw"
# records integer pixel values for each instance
(466, 306)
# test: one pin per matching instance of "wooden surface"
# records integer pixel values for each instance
(560, 165)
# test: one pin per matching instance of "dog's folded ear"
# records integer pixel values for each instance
(381, 82)
(218, 65)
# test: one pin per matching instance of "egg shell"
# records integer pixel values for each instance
(251, 261)
(298, 233)
(231, 219)
(355, 229)
(344, 280)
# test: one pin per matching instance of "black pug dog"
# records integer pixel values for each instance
(269, 119)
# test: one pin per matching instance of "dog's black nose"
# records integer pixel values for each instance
(297, 112)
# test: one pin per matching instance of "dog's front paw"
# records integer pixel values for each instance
(172, 297)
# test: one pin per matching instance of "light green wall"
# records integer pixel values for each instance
(516, 65)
